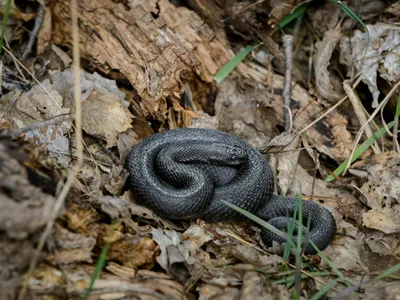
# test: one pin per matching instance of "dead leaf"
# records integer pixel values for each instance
(381, 56)
(39, 105)
(243, 113)
(210, 291)
(381, 190)
(256, 286)
(133, 251)
(16, 220)
(16, 12)
(384, 245)
(164, 239)
(384, 220)
(73, 281)
(104, 116)
(115, 181)
(287, 163)
(322, 57)
(268, 263)
(44, 35)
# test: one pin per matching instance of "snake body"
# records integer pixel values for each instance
(185, 173)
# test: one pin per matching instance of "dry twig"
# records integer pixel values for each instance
(288, 45)
(359, 110)
(360, 132)
(55, 120)
(35, 30)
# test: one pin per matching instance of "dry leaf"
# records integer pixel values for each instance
(243, 113)
(104, 116)
(256, 286)
(385, 220)
(16, 12)
(133, 251)
(322, 57)
(382, 189)
(287, 163)
(382, 56)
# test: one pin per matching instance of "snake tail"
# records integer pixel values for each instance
(279, 212)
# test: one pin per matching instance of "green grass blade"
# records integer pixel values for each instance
(303, 276)
(298, 12)
(259, 221)
(5, 20)
(331, 264)
(324, 290)
(398, 107)
(388, 272)
(299, 224)
(298, 260)
(287, 279)
(352, 15)
(291, 226)
(232, 64)
(360, 150)
(99, 267)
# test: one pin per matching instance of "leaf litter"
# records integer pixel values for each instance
(136, 59)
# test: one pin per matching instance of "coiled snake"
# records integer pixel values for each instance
(185, 173)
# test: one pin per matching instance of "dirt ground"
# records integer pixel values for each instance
(316, 89)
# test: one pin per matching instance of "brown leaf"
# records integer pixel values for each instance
(134, 252)
(103, 115)
(381, 189)
(322, 57)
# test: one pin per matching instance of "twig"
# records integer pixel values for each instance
(360, 132)
(43, 69)
(289, 113)
(188, 97)
(15, 61)
(79, 146)
(296, 28)
(135, 290)
(396, 145)
(333, 107)
(55, 120)
(35, 30)
(288, 45)
(359, 110)
(310, 64)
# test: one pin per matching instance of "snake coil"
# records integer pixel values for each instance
(185, 173)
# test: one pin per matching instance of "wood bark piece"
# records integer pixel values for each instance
(143, 48)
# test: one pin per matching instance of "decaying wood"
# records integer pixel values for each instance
(142, 48)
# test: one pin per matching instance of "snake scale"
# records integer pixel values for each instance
(185, 173)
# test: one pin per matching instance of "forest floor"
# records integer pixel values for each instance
(312, 84)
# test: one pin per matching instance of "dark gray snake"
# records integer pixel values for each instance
(185, 173)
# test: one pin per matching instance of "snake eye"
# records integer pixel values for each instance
(233, 157)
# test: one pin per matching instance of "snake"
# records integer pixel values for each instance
(188, 173)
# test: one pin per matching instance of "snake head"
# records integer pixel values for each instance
(226, 154)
